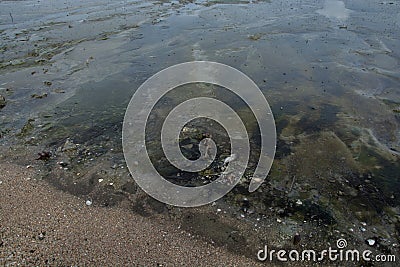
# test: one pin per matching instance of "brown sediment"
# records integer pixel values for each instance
(41, 225)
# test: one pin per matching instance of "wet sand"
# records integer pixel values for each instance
(40, 226)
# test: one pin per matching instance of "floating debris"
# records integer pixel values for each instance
(62, 164)
(89, 60)
(58, 91)
(255, 37)
(36, 96)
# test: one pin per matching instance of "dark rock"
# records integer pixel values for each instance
(3, 102)
(44, 155)
(296, 239)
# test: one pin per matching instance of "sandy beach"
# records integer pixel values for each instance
(42, 226)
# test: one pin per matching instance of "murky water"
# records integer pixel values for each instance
(329, 69)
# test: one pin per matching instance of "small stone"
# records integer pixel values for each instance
(89, 202)
(299, 202)
(39, 96)
(41, 236)
(101, 180)
(48, 83)
(370, 242)
(278, 220)
(62, 164)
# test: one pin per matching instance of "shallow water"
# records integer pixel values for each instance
(329, 69)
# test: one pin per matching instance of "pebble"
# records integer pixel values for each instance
(88, 202)
(371, 242)
(299, 202)
(62, 164)
(41, 236)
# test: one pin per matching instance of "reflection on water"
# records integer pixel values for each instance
(333, 88)
(334, 9)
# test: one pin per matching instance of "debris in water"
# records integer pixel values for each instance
(255, 37)
(36, 96)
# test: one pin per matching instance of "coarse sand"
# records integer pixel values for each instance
(43, 226)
